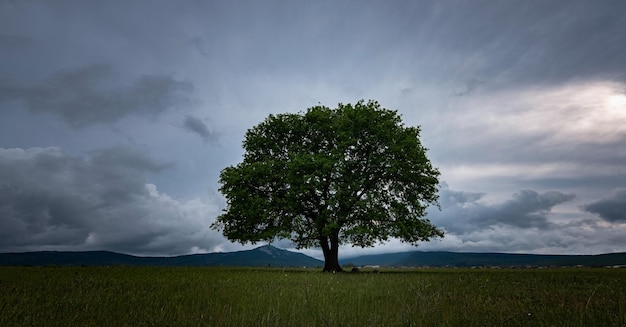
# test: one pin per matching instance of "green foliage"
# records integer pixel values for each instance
(355, 174)
(142, 296)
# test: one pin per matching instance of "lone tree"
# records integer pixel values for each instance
(325, 177)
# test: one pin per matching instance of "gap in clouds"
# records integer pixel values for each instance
(570, 132)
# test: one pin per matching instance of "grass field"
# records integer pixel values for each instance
(132, 296)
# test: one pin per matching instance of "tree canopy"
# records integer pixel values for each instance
(325, 177)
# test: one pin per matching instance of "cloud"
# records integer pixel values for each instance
(93, 94)
(611, 209)
(523, 223)
(51, 200)
(585, 113)
(585, 236)
(526, 209)
(464, 213)
(526, 222)
(567, 135)
(196, 125)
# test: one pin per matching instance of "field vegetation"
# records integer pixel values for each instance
(166, 296)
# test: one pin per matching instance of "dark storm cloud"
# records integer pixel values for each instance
(93, 94)
(611, 209)
(49, 199)
(526, 209)
(462, 212)
(196, 125)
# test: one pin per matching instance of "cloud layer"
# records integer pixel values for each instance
(462, 212)
(50, 200)
(612, 209)
(90, 95)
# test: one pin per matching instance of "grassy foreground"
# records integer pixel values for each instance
(131, 296)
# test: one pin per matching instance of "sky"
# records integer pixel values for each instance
(116, 117)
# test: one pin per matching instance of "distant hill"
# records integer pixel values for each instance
(262, 256)
(268, 255)
(462, 259)
(386, 259)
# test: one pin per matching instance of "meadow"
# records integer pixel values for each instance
(150, 296)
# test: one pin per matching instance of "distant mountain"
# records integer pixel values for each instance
(262, 256)
(462, 259)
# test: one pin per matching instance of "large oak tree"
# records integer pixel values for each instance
(325, 177)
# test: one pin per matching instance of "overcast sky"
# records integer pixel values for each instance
(116, 117)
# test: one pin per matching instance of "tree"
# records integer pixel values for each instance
(325, 177)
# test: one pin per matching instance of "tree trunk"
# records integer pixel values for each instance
(331, 251)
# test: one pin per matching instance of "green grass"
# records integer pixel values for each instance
(132, 296)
